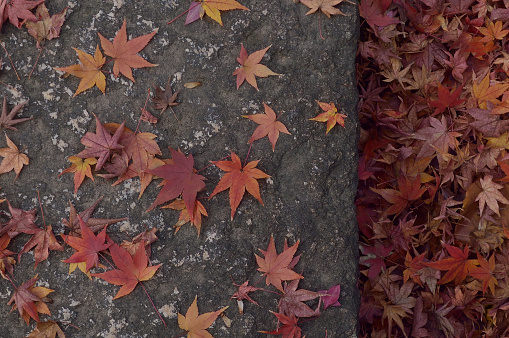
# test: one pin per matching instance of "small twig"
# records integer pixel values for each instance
(12, 63)
(42, 211)
(155, 308)
(245, 161)
(37, 60)
(68, 323)
(320, 25)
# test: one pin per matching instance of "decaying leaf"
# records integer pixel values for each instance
(47, 27)
(49, 329)
(7, 121)
(14, 10)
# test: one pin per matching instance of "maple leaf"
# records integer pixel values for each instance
(28, 300)
(292, 301)
(125, 52)
(165, 98)
(88, 246)
(43, 241)
(290, 328)
(413, 265)
(330, 297)
(400, 304)
(239, 179)
(47, 27)
(251, 67)
(21, 222)
(325, 6)
(330, 115)
(184, 216)
(380, 252)
(15, 10)
(212, 8)
(101, 144)
(373, 12)
(147, 237)
(81, 169)
(490, 195)
(89, 71)
(242, 293)
(446, 99)
(483, 92)
(95, 224)
(196, 325)
(49, 329)
(485, 273)
(457, 266)
(13, 158)
(409, 190)
(131, 270)
(437, 137)
(268, 126)
(7, 120)
(275, 267)
(492, 31)
(6, 262)
(181, 178)
(139, 147)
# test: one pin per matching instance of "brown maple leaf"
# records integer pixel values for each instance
(49, 329)
(47, 27)
(238, 179)
(28, 300)
(13, 158)
(89, 71)
(399, 305)
(251, 67)
(43, 241)
(330, 115)
(6, 262)
(490, 195)
(180, 178)
(275, 267)
(409, 190)
(7, 120)
(292, 301)
(101, 144)
(485, 273)
(21, 222)
(125, 52)
(242, 293)
(268, 126)
(95, 224)
(196, 325)
(165, 98)
(327, 7)
(131, 270)
(146, 237)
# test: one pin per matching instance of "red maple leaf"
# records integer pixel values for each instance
(88, 246)
(242, 293)
(485, 273)
(22, 221)
(457, 266)
(131, 270)
(380, 252)
(27, 299)
(290, 328)
(292, 302)
(125, 52)
(330, 297)
(409, 190)
(101, 144)
(275, 267)
(268, 126)
(6, 262)
(181, 178)
(43, 241)
(14, 10)
(446, 99)
(373, 11)
(239, 179)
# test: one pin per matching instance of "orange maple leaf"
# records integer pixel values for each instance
(251, 67)
(28, 300)
(196, 325)
(457, 266)
(6, 262)
(49, 329)
(89, 71)
(131, 270)
(81, 169)
(330, 115)
(492, 31)
(212, 8)
(184, 216)
(268, 126)
(485, 273)
(275, 267)
(125, 52)
(13, 158)
(239, 179)
(325, 6)
(483, 92)
(446, 99)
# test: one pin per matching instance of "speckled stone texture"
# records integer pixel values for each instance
(309, 196)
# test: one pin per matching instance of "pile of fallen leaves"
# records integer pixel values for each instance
(433, 199)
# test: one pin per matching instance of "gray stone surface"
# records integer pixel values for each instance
(309, 196)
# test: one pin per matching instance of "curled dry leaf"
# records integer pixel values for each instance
(47, 27)
(7, 121)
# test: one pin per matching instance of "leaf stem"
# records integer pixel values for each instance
(211, 164)
(245, 161)
(37, 60)
(144, 107)
(190, 7)
(42, 211)
(9, 56)
(320, 25)
(155, 308)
